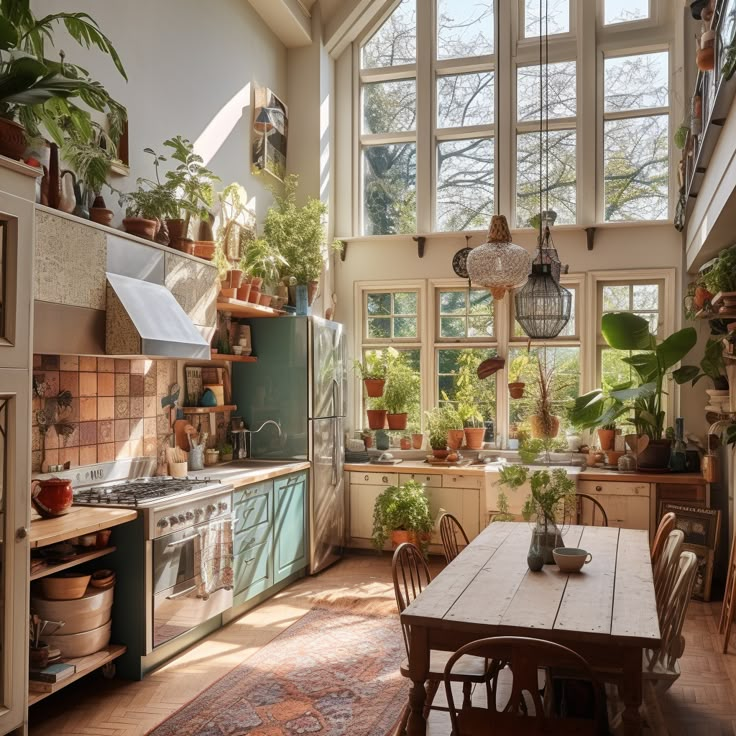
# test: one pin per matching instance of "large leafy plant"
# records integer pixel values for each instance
(155, 199)
(650, 361)
(39, 92)
(440, 421)
(402, 382)
(721, 276)
(401, 508)
(467, 390)
(262, 261)
(712, 365)
(373, 366)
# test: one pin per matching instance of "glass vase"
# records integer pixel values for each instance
(545, 537)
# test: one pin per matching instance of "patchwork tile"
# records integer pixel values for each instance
(50, 362)
(136, 429)
(149, 384)
(162, 425)
(69, 455)
(138, 366)
(106, 365)
(122, 407)
(122, 384)
(71, 440)
(105, 452)
(150, 446)
(135, 447)
(106, 408)
(70, 363)
(122, 450)
(150, 406)
(51, 440)
(122, 365)
(105, 432)
(35, 440)
(87, 433)
(69, 381)
(106, 384)
(136, 407)
(87, 409)
(50, 379)
(50, 457)
(137, 385)
(88, 455)
(149, 427)
(36, 462)
(122, 430)
(86, 363)
(88, 384)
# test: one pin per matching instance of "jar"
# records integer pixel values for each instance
(710, 468)
(211, 457)
(196, 458)
(627, 463)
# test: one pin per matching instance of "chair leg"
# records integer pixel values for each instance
(432, 687)
(467, 692)
(403, 720)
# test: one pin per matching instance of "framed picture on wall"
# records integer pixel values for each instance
(270, 132)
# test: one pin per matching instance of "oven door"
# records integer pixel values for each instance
(177, 607)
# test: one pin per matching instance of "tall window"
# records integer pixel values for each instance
(625, 11)
(636, 136)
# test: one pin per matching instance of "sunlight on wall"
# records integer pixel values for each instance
(222, 124)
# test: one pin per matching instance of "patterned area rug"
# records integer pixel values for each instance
(332, 673)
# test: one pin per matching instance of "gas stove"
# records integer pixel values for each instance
(141, 491)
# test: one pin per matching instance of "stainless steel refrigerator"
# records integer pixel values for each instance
(300, 381)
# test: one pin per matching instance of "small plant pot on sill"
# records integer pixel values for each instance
(397, 421)
(516, 389)
(244, 292)
(656, 456)
(312, 291)
(455, 438)
(440, 454)
(100, 215)
(204, 249)
(256, 282)
(12, 139)
(374, 387)
(265, 300)
(405, 443)
(474, 437)
(376, 418)
(255, 295)
(606, 438)
(141, 227)
(234, 278)
(417, 440)
(177, 228)
(228, 293)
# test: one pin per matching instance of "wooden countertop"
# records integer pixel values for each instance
(415, 466)
(243, 472)
(80, 520)
(643, 477)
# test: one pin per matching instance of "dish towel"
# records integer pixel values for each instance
(214, 556)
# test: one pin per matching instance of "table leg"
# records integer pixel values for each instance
(630, 690)
(418, 671)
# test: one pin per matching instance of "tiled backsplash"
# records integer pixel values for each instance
(115, 409)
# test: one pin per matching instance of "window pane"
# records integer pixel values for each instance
(561, 178)
(621, 11)
(474, 310)
(616, 298)
(481, 392)
(465, 171)
(557, 18)
(405, 302)
(636, 175)
(395, 42)
(480, 327)
(452, 327)
(464, 28)
(453, 302)
(465, 99)
(405, 327)
(412, 357)
(653, 319)
(481, 301)
(389, 189)
(379, 303)
(646, 297)
(636, 82)
(379, 327)
(561, 92)
(389, 107)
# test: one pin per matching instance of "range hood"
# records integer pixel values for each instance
(144, 318)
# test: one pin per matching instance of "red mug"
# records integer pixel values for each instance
(52, 497)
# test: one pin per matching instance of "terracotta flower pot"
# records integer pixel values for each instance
(256, 282)
(255, 294)
(399, 536)
(312, 289)
(397, 421)
(374, 387)
(12, 139)
(376, 418)
(244, 292)
(538, 429)
(455, 438)
(702, 297)
(141, 227)
(368, 441)
(204, 249)
(228, 293)
(606, 438)
(516, 389)
(235, 278)
(185, 245)
(265, 300)
(656, 455)
(177, 228)
(417, 440)
(474, 437)
(100, 215)
(405, 443)
(440, 454)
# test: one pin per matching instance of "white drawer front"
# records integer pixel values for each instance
(613, 488)
(426, 479)
(462, 481)
(374, 479)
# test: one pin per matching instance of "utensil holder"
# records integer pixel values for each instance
(178, 470)
(196, 458)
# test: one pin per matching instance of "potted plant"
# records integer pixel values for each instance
(376, 412)
(516, 386)
(550, 494)
(262, 262)
(234, 219)
(651, 362)
(607, 436)
(712, 366)
(372, 371)
(721, 276)
(466, 392)
(37, 92)
(543, 423)
(441, 420)
(226, 452)
(402, 383)
(402, 513)
(298, 234)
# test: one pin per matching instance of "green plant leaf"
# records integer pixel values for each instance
(686, 374)
(8, 34)
(626, 331)
(674, 348)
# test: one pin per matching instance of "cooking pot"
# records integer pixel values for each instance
(52, 497)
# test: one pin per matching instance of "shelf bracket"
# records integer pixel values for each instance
(590, 237)
(420, 240)
(344, 251)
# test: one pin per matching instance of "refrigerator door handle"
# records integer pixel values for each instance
(335, 397)
(334, 453)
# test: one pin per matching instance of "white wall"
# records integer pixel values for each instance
(191, 66)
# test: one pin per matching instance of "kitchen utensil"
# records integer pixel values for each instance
(102, 579)
(571, 559)
(52, 497)
(178, 470)
(64, 586)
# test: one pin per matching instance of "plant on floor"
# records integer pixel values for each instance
(40, 93)
(402, 508)
(712, 365)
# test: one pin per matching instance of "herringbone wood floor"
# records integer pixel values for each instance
(701, 703)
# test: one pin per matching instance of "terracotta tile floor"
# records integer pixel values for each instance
(701, 703)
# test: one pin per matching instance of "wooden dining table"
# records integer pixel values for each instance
(607, 612)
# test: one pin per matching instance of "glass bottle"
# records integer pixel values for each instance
(678, 457)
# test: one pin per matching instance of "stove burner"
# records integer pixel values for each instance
(139, 491)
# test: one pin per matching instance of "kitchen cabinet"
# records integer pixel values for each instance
(291, 549)
(625, 504)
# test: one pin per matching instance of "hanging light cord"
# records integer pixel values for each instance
(543, 115)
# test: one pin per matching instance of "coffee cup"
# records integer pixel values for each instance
(571, 559)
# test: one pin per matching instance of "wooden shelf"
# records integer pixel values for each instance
(227, 358)
(703, 314)
(245, 309)
(208, 409)
(84, 665)
(78, 559)
(78, 521)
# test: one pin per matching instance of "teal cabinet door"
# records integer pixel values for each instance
(253, 540)
(291, 547)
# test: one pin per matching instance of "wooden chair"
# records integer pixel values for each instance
(660, 665)
(729, 599)
(666, 525)
(589, 511)
(450, 529)
(665, 571)
(525, 712)
(411, 576)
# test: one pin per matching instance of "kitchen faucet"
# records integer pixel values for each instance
(268, 421)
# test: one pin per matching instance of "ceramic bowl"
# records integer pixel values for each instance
(571, 559)
(83, 643)
(64, 587)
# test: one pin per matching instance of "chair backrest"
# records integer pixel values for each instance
(589, 511)
(450, 528)
(525, 658)
(673, 616)
(665, 571)
(411, 576)
(666, 525)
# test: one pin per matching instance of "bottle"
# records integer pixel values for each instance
(678, 457)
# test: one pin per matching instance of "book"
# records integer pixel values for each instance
(52, 673)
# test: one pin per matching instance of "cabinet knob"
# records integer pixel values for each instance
(384, 479)
(21, 533)
(366, 478)
(598, 488)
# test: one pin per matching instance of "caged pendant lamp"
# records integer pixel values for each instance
(543, 306)
(499, 264)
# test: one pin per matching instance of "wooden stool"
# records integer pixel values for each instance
(729, 597)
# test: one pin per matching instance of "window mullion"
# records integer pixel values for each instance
(505, 114)
(586, 111)
(425, 156)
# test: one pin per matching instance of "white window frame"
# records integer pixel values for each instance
(556, 37)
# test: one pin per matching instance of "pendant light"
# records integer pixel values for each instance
(543, 306)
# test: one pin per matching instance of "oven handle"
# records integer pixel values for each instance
(180, 593)
(182, 541)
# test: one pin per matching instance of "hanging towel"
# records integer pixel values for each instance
(214, 556)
